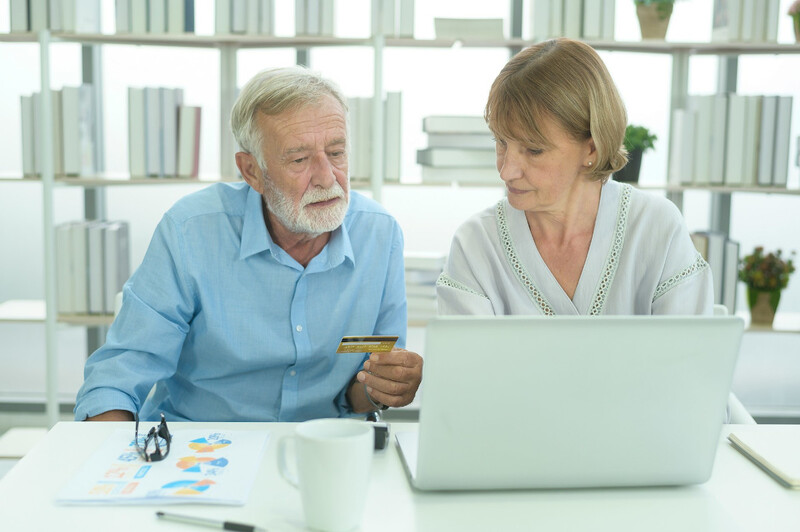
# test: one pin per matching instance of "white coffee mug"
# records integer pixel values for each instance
(333, 459)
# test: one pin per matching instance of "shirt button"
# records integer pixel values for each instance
(299, 328)
(292, 373)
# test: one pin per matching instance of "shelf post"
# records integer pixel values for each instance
(378, 42)
(727, 81)
(679, 96)
(46, 145)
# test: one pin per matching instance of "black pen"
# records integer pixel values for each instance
(211, 523)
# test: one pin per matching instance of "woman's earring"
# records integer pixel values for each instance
(589, 164)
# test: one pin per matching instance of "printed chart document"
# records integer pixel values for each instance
(774, 450)
(207, 467)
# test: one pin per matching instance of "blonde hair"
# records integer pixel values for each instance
(566, 81)
(272, 92)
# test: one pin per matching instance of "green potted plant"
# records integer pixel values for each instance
(638, 139)
(654, 17)
(765, 276)
(794, 12)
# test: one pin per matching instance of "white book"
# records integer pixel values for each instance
(157, 16)
(58, 139)
(176, 11)
(312, 9)
(783, 130)
(454, 124)
(748, 20)
(77, 114)
(56, 18)
(81, 16)
(734, 141)
(171, 99)
(153, 128)
(718, 136)
(95, 267)
(726, 20)
(20, 16)
(772, 16)
(703, 106)
(609, 17)
(388, 28)
(405, 25)
(487, 176)
(138, 17)
(238, 16)
(392, 125)
(122, 16)
(79, 232)
(327, 18)
(759, 22)
(751, 139)
(222, 17)
(266, 25)
(556, 18)
(38, 15)
(64, 275)
(540, 19)
(116, 264)
(457, 157)
(300, 18)
(592, 16)
(460, 140)
(477, 29)
(137, 136)
(681, 161)
(766, 143)
(253, 17)
(189, 141)
(28, 136)
(730, 276)
(37, 133)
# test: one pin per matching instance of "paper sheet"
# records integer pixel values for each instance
(203, 466)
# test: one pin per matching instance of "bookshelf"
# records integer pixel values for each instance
(227, 47)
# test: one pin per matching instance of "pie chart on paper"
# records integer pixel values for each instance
(202, 445)
(188, 487)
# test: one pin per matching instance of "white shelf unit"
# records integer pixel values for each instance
(228, 46)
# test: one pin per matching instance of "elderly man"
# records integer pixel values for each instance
(247, 289)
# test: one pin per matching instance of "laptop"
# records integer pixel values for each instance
(518, 402)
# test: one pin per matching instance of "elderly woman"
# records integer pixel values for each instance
(567, 240)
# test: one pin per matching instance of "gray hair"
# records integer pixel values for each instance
(272, 92)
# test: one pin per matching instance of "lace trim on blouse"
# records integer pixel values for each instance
(612, 262)
(697, 266)
(446, 280)
(519, 270)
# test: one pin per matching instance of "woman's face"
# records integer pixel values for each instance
(540, 178)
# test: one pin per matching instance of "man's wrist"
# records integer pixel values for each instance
(376, 404)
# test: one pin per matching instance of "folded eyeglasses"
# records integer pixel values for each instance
(156, 440)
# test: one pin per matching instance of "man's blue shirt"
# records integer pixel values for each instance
(231, 328)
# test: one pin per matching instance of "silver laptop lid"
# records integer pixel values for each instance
(557, 402)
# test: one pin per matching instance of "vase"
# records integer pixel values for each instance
(630, 172)
(763, 304)
(796, 26)
(654, 19)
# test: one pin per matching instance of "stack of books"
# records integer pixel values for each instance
(745, 21)
(460, 148)
(163, 134)
(422, 271)
(732, 140)
(73, 132)
(576, 19)
(159, 17)
(362, 139)
(73, 16)
(314, 17)
(248, 17)
(722, 255)
(397, 18)
(93, 261)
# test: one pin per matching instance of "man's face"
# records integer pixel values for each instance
(307, 187)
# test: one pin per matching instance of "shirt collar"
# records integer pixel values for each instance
(256, 238)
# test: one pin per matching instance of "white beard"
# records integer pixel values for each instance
(297, 219)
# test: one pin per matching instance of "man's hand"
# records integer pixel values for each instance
(391, 378)
(112, 415)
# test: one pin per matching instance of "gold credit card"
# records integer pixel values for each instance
(366, 344)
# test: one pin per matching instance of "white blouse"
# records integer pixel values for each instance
(641, 261)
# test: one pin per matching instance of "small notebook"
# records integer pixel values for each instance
(774, 449)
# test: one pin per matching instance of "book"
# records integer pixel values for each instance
(157, 16)
(20, 16)
(171, 99)
(771, 18)
(681, 160)
(703, 107)
(222, 17)
(387, 21)
(711, 245)
(574, 19)
(392, 127)
(77, 115)
(95, 244)
(116, 261)
(137, 127)
(189, 141)
(734, 141)
(405, 23)
(327, 18)
(38, 15)
(773, 448)
(56, 17)
(138, 17)
(540, 19)
(300, 18)
(766, 141)
(266, 25)
(122, 16)
(457, 157)
(751, 138)
(239, 16)
(79, 258)
(28, 136)
(609, 16)
(783, 129)
(719, 123)
(153, 125)
(730, 277)
(455, 124)
(253, 22)
(748, 20)
(726, 21)
(58, 139)
(180, 16)
(556, 18)
(460, 140)
(64, 284)
(487, 176)
(476, 29)
(81, 16)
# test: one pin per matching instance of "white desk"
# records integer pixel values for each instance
(738, 497)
